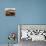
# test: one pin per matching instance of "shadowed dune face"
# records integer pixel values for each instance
(10, 13)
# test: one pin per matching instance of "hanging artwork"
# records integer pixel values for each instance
(10, 11)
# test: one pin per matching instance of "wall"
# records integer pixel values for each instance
(27, 12)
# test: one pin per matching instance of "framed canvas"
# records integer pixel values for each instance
(10, 12)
